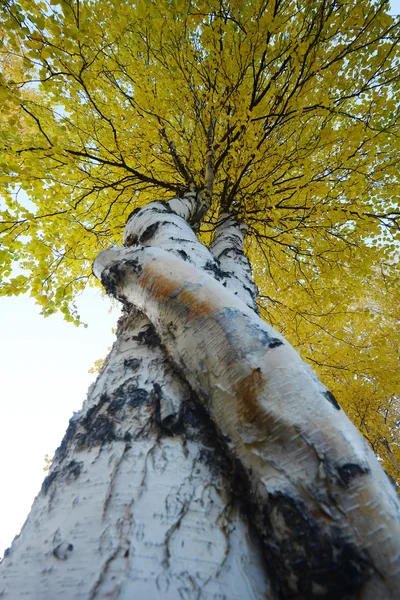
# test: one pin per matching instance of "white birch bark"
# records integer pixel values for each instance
(141, 500)
(228, 249)
(328, 514)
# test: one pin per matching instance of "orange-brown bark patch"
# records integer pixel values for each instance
(160, 284)
(163, 285)
(198, 307)
(248, 391)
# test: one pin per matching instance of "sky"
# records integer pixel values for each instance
(44, 378)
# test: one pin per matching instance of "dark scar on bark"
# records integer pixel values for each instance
(48, 482)
(179, 240)
(72, 470)
(100, 431)
(229, 250)
(116, 405)
(331, 398)
(217, 272)
(131, 240)
(111, 276)
(138, 397)
(62, 551)
(156, 401)
(312, 557)
(263, 337)
(128, 394)
(148, 337)
(90, 415)
(69, 473)
(274, 343)
(132, 363)
(350, 471)
(62, 450)
(149, 232)
(183, 254)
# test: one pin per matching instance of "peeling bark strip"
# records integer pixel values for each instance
(325, 507)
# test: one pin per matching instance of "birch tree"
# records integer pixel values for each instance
(244, 149)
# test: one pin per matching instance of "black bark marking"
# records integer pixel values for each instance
(116, 405)
(156, 401)
(63, 550)
(111, 276)
(215, 269)
(132, 264)
(321, 565)
(102, 430)
(149, 232)
(69, 472)
(350, 471)
(138, 397)
(132, 363)
(128, 394)
(196, 424)
(99, 431)
(62, 450)
(72, 470)
(90, 415)
(331, 398)
(48, 481)
(148, 337)
(178, 240)
(248, 290)
(131, 240)
(274, 343)
(183, 254)
(228, 251)
(171, 326)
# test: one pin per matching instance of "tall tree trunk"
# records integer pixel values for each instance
(205, 448)
(142, 500)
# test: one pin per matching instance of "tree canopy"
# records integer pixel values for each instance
(282, 112)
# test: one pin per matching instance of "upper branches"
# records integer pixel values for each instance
(282, 113)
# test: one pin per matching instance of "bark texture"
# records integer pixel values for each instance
(328, 514)
(142, 500)
(208, 460)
